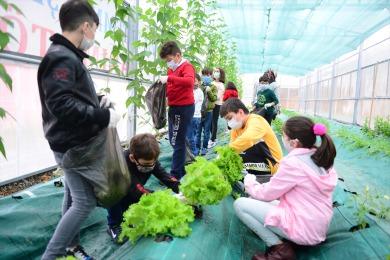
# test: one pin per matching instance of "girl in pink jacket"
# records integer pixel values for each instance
(297, 202)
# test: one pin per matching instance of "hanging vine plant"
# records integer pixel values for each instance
(5, 38)
(222, 52)
(161, 21)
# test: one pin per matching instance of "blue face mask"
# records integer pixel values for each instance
(206, 80)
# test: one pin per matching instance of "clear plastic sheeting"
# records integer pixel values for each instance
(294, 37)
(27, 149)
(354, 88)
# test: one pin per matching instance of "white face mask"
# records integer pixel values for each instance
(216, 74)
(263, 86)
(86, 43)
(172, 65)
(234, 124)
(287, 144)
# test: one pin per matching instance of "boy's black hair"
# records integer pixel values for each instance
(73, 13)
(206, 72)
(230, 85)
(232, 105)
(144, 146)
(264, 78)
(169, 48)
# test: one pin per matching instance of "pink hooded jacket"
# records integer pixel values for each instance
(305, 193)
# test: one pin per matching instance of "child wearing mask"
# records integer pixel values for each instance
(303, 184)
(218, 81)
(230, 92)
(180, 93)
(266, 101)
(142, 161)
(194, 128)
(253, 138)
(210, 96)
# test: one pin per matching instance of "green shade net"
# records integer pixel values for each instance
(27, 224)
(295, 37)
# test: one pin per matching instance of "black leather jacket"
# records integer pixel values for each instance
(70, 106)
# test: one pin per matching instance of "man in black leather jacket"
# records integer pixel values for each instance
(72, 113)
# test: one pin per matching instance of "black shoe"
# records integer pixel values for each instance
(114, 233)
(79, 253)
(198, 212)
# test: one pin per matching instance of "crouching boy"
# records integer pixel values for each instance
(142, 161)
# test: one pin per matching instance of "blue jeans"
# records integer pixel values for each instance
(205, 126)
(179, 118)
(192, 134)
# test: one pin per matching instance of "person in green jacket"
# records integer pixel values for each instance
(266, 102)
(210, 93)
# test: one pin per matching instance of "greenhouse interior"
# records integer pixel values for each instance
(103, 105)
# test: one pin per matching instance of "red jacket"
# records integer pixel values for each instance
(180, 85)
(230, 93)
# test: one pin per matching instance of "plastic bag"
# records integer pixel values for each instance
(156, 102)
(100, 160)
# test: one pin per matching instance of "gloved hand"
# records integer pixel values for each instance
(163, 79)
(268, 105)
(249, 179)
(181, 197)
(114, 118)
(105, 102)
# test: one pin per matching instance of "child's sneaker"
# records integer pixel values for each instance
(114, 233)
(79, 253)
(212, 144)
(204, 152)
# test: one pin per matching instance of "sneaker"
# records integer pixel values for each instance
(79, 253)
(212, 144)
(114, 233)
(204, 152)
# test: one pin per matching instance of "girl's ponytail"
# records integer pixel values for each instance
(306, 131)
(325, 153)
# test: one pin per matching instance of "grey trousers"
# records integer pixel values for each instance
(79, 201)
(253, 212)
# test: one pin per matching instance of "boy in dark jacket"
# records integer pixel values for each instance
(266, 101)
(72, 113)
(142, 161)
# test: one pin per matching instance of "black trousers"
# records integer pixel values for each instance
(214, 123)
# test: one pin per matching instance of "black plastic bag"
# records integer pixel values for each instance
(156, 102)
(101, 161)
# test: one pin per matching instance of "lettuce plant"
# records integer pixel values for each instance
(204, 183)
(157, 213)
(230, 163)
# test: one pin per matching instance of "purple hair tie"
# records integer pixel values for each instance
(319, 129)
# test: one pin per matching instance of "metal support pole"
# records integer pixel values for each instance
(299, 95)
(332, 86)
(373, 93)
(305, 94)
(316, 90)
(358, 84)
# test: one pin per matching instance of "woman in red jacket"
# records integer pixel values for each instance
(230, 92)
